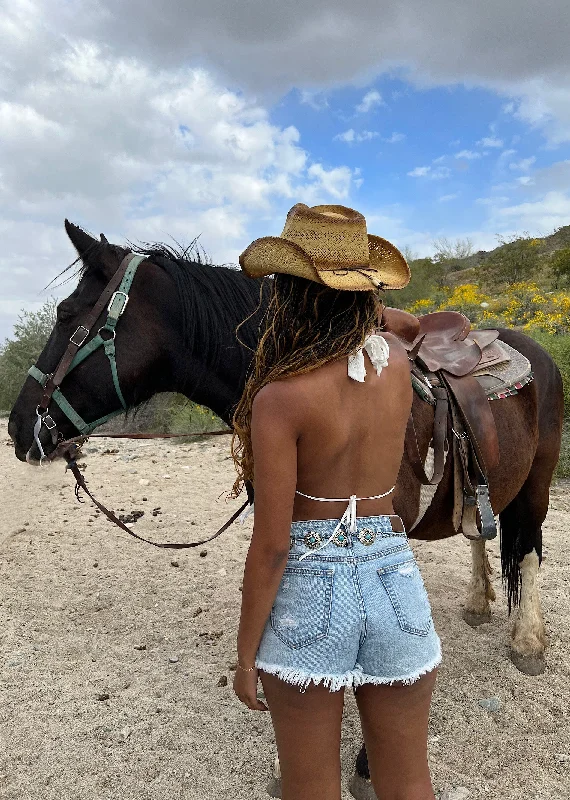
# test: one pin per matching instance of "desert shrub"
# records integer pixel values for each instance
(516, 259)
(559, 265)
(426, 281)
(20, 352)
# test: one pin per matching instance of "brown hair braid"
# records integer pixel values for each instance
(307, 325)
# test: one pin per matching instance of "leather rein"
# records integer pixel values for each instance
(115, 297)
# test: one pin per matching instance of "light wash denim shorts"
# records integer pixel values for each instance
(353, 612)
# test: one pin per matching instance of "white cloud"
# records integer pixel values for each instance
(317, 100)
(395, 138)
(490, 141)
(468, 155)
(446, 198)
(525, 180)
(120, 146)
(274, 47)
(335, 182)
(428, 172)
(419, 172)
(543, 214)
(370, 100)
(523, 165)
(351, 136)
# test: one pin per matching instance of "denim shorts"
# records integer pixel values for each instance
(352, 612)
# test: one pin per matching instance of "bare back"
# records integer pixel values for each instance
(351, 434)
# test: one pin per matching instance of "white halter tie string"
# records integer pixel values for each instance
(378, 351)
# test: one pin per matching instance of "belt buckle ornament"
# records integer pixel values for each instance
(341, 538)
(366, 536)
(312, 540)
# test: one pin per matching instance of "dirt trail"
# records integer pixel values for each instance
(112, 652)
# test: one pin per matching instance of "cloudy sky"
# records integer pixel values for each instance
(150, 120)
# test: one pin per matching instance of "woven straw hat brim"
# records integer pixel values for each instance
(270, 254)
(274, 254)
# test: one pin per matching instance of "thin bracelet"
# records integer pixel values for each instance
(243, 669)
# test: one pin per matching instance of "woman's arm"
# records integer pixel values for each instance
(274, 436)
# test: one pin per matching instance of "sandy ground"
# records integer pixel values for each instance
(112, 652)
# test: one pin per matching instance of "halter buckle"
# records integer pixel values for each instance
(48, 421)
(124, 303)
(78, 339)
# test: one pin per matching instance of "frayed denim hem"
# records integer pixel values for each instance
(351, 679)
(406, 680)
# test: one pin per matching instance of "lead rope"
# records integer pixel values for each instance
(81, 485)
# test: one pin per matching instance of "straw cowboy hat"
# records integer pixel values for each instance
(330, 245)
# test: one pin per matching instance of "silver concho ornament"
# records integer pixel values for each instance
(366, 536)
(312, 540)
(341, 538)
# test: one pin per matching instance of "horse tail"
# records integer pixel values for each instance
(511, 555)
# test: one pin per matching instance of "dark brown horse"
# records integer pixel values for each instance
(178, 333)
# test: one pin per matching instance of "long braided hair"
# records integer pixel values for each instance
(307, 325)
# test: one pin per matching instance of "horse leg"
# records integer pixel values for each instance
(361, 786)
(521, 552)
(274, 787)
(477, 609)
(529, 634)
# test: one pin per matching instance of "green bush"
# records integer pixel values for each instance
(19, 353)
(559, 348)
(426, 281)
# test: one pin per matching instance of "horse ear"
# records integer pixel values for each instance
(81, 240)
(104, 239)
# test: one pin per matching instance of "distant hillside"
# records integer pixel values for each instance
(520, 259)
(549, 244)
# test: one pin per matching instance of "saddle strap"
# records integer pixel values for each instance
(439, 441)
(471, 492)
(477, 417)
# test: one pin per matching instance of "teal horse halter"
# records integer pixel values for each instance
(115, 296)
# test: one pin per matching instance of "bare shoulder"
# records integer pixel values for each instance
(276, 399)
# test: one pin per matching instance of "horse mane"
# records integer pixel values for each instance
(215, 300)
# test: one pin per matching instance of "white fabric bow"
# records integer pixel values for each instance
(378, 351)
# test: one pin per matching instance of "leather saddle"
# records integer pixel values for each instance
(443, 353)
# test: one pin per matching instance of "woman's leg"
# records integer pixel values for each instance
(395, 725)
(307, 729)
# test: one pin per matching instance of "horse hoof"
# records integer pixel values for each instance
(274, 788)
(361, 788)
(529, 665)
(474, 620)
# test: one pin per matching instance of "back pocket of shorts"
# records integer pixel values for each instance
(405, 588)
(301, 613)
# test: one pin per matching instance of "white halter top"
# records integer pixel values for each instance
(378, 351)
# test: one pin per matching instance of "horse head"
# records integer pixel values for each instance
(173, 330)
